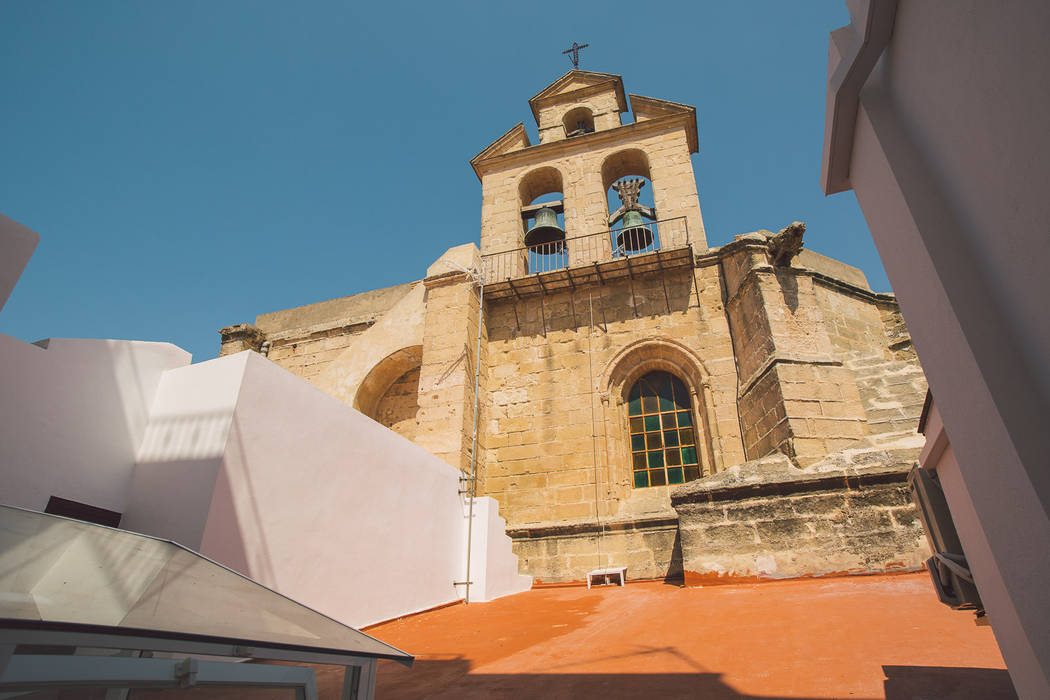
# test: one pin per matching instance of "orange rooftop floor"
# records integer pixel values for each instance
(849, 637)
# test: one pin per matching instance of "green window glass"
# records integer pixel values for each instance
(663, 439)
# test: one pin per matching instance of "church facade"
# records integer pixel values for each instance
(630, 395)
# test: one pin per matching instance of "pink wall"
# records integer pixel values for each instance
(72, 417)
(331, 508)
(269, 475)
(950, 160)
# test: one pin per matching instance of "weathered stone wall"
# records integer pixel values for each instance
(398, 408)
(307, 353)
(853, 323)
(307, 339)
(871, 339)
(547, 424)
(892, 392)
(446, 382)
(648, 548)
(795, 396)
(768, 519)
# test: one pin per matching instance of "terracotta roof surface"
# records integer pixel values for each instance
(859, 637)
(852, 637)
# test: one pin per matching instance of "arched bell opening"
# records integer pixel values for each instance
(543, 220)
(630, 199)
(578, 121)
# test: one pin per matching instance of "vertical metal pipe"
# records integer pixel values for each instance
(594, 434)
(480, 280)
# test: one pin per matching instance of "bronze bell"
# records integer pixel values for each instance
(545, 229)
(635, 235)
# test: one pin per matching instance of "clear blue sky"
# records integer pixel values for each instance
(190, 164)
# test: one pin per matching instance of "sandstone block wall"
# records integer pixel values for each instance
(446, 380)
(550, 422)
(824, 362)
(398, 408)
(584, 192)
(307, 339)
(649, 549)
(768, 519)
(307, 353)
(796, 397)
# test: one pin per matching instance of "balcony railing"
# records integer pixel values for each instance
(579, 251)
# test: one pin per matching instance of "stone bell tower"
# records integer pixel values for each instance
(584, 149)
(606, 361)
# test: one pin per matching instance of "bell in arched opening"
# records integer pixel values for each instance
(635, 235)
(546, 232)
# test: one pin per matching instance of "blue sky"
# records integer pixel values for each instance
(190, 165)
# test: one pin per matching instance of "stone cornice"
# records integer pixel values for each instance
(529, 532)
(516, 130)
(547, 151)
(578, 94)
(321, 330)
(596, 78)
(803, 482)
(445, 279)
(779, 358)
(712, 256)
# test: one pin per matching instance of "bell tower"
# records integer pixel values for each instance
(556, 194)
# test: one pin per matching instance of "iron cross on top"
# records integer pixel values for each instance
(575, 51)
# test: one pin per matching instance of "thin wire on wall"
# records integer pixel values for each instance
(594, 430)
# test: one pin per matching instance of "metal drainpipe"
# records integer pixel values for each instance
(472, 490)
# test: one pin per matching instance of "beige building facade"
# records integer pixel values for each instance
(631, 396)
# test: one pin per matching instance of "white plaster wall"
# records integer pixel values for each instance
(968, 80)
(72, 416)
(329, 507)
(1007, 537)
(493, 565)
(950, 158)
(182, 450)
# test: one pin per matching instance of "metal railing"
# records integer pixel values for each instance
(614, 244)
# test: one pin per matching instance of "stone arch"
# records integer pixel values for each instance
(637, 359)
(630, 161)
(393, 371)
(536, 183)
(576, 117)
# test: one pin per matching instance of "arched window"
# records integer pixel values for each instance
(663, 437)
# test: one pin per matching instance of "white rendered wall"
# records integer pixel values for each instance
(72, 417)
(331, 508)
(493, 564)
(263, 472)
(950, 162)
(181, 452)
(245, 462)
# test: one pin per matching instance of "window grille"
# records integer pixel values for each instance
(663, 437)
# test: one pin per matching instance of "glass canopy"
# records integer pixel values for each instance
(57, 573)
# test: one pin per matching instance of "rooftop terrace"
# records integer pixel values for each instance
(855, 637)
